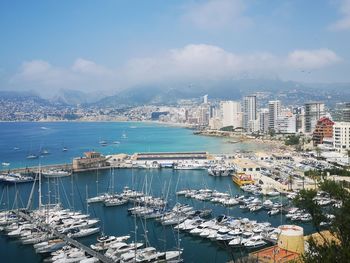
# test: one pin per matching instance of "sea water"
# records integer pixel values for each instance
(73, 191)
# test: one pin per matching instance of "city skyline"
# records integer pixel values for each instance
(116, 45)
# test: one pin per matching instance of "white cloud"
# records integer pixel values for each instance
(89, 67)
(344, 22)
(195, 62)
(312, 59)
(215, 14)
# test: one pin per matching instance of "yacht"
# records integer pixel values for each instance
(273, 193)
(32, 156)
(99, 198)
(16, 178)
(273, 211)
(76, 232)
(55, 173)
(5, 164)
(188, 166)
(45, 152)
(255, 242)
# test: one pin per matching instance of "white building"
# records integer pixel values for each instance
(254, 125)
(264, 120)
(205, 99)
(249, 111)
(341, 136)
(286, 124)
(274, 112)
(231, 114)
(215, 123)
(313, 112)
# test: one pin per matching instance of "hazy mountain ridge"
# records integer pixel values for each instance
(288, 92)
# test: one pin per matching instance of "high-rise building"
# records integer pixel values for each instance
(346, 112)
(203, 112)
(249, 112)
(341, 136)
(274, 112)
(286, 124)
(313, 112)
(205, 99)
(231, 114)
(323, 129)
(264, 120)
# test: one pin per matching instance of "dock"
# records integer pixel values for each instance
(35, 169)
(65, 238)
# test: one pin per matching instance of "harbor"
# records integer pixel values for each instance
(157, 198)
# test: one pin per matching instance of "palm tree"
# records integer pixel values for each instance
(314, 175)
(290, 182)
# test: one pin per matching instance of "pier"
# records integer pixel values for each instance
(35, 169)
(65, 238)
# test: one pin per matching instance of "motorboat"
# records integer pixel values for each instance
(273, 193)
(32, 156)
(104, 242)
(76, 232)
(255, 242)
(274, 211)
(55, 173)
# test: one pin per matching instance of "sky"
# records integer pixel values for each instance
(111, 45)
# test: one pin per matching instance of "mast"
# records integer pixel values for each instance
(49, 190)
(72, 194)
(30, 200)
(97, 181)
(87, 196)
(40, 201)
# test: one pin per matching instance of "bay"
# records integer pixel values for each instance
(73, 191)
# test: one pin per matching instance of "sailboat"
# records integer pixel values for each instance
(114, 199)
(99, 197)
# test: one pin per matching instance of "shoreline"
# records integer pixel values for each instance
(184, 125)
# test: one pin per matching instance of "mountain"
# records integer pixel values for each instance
(74, 97)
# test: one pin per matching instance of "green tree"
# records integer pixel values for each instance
(314, 175)
(292, 140)
(336, 248)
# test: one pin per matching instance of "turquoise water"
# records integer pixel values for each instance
(79, 137)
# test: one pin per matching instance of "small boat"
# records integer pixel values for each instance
(45, 152)
(124, 136)
(32, 156)
(273, 211)
(116, 142)
(5, 164)
(15, 148)
(103, 143)
(64, 149)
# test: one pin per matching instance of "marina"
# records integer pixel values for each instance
(157, 198)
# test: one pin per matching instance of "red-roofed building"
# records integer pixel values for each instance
(323, 129)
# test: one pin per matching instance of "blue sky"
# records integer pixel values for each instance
(108, 45)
